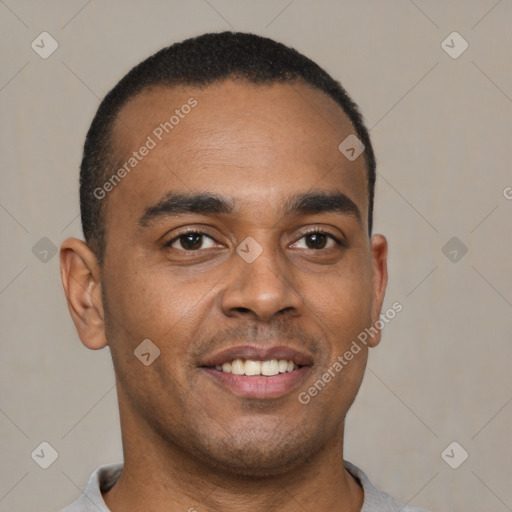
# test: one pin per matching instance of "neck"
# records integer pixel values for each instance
(157, 476)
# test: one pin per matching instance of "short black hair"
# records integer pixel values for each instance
(199, 62)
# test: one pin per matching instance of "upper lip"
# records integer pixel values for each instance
(258, 353)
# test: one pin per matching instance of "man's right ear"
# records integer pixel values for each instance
(80, 274)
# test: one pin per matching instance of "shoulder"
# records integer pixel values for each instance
(375, 499)
(91, 500)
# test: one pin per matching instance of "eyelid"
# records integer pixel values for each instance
(188, 231)
(323, 231)
(302, 232)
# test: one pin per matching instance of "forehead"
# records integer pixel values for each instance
(251, 142)
(293, 111)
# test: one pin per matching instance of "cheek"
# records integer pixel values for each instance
(343, 312)
(149, 302)
(342, 298)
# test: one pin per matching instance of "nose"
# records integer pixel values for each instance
(263, 289)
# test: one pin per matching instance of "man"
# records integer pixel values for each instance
(226, 198)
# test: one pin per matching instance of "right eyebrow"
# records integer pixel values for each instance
(174, 204)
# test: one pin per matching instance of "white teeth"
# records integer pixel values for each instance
(251, 367)
(270, 368)
(237, 367)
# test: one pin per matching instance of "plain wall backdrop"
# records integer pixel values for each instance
(441, 124)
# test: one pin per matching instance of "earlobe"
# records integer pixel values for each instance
(379, 248)
(81, 280)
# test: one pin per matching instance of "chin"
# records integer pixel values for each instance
(256, 455)
(260, 464)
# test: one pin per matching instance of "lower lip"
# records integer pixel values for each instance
(259, 387)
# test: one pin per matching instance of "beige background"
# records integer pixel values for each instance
(442, 133)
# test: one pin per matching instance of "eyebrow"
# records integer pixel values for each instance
(321, 202)
(214, 204)
(174, 204)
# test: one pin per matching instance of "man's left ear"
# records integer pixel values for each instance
(379, 248)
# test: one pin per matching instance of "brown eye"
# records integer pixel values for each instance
(317, 240)
(192, 241)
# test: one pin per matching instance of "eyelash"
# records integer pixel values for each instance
(319, 231)
(185, 233)
(313, 231)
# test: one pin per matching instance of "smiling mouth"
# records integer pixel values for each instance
(253, 368)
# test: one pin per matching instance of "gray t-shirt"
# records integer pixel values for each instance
(105, 477)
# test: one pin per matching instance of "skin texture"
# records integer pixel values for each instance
(256, 145)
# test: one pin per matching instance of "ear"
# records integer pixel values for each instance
(379, 249)
(80, 274)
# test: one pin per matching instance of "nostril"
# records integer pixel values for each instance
(242, 310)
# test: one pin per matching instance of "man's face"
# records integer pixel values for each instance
(210, 298)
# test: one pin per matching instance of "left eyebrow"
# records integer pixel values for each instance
(321, 202)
